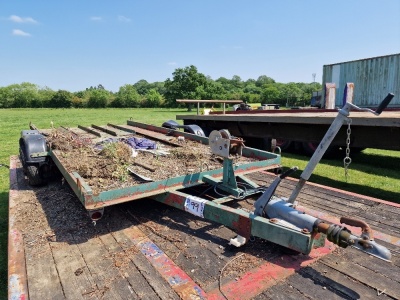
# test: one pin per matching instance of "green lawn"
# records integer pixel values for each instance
(374, 172)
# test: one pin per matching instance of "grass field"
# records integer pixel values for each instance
(373, 172)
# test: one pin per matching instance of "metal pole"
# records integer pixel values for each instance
(320, 151)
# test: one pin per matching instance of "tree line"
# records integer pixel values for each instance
(186, 83)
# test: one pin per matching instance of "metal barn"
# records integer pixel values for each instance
(373, 79)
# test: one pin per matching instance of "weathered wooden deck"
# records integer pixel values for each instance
(297, 125)
(146, 250)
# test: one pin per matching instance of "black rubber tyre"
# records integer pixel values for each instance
(285, 145)
(34, 177)
(22, 159)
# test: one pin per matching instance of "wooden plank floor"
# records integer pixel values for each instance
(146, 250)
(387, 119)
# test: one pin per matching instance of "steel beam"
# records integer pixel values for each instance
(244, 223)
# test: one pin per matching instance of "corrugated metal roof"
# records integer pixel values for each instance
(373, 79)
(361, 59)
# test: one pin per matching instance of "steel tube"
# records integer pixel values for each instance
(321, 149)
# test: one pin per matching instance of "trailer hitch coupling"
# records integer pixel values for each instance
(343, 237)
(279, 209)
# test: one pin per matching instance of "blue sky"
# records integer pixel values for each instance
(77, 44)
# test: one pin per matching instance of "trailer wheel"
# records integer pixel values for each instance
(34, 178)
(22, 159)
(285, 145)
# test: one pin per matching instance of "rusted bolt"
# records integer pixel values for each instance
(305, 231)
(351, 241)
(273, 220)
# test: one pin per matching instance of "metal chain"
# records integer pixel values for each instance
(347, 159)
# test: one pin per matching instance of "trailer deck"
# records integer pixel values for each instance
(147, 250)
(305, 126)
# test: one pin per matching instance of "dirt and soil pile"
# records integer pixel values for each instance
(104, 163)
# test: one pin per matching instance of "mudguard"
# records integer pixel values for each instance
(32, 141)
(194, 129)
(170, 124)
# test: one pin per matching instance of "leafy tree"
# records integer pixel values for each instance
(80, 99)
(61, 99)
(142, 86)
(211, 90)
(263, 79)
(236, 81)
(159, 87)
(235, 96)
(81, 94)
(98, 87)
(154, 98)
(45, 95)
(78, 102)
(308, 88)
(184, 85)
(24, 94)
(6, 97)
(127, 96)
(249, 81)
(292, 93)
(233, 85)
(270, 94)
(251, 98)
(251, 88)
(225, 83)
(98, 98)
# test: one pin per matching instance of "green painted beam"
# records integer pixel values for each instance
(243, 223)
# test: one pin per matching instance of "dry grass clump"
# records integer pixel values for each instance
(118, 152)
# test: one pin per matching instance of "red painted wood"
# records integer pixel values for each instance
(182, 284)
(259, 279)
(17, 279)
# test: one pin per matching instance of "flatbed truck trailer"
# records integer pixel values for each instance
(304, 126)
(226, 196)
(147, 250)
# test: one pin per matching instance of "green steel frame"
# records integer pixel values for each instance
(265, 160)
(169, 191)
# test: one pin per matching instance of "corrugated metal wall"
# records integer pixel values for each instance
(373, 79)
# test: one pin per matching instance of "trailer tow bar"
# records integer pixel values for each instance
(283, 210)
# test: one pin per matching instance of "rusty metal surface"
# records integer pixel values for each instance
(373, 78)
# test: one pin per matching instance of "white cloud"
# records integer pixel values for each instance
(96, 19)
(19, 32)
(123, 19)
(172, 63)
(18, 19)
